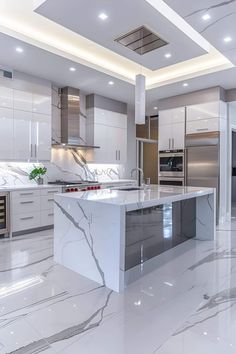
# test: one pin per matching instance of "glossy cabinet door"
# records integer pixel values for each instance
(6, 97)
(6, 134)
(23, 101)
(203, 111)
(165, 137)
(42, 104)
(41, 137)
(101, 136)
(171, 129)
(203, 126)
(178, 136)
(23, 146)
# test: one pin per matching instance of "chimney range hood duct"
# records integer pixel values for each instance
(70, 120)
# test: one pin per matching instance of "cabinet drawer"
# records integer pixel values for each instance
(29, 193)
(47, 218)
(50, 192)
(25, 221)
(47, 202)
(202, 126)
(25, 205)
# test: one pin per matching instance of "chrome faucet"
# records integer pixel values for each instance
(137, 169)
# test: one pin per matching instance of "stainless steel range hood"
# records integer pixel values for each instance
(70, 120)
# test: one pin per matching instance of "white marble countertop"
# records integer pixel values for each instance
(11, 188)
(142, 198)
(7, 188)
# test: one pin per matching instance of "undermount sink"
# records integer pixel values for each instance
(129, 189)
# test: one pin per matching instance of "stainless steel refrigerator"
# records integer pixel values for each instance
(203, 161)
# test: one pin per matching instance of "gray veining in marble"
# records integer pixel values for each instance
(89, 240)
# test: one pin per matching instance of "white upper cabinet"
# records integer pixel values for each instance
(108, 130)
(42, 104)
(171, 129)
(23, 147)
(6, 97)
(25, 135)
(6, 134)
(23, 100)
(42, 124)
(203, 111)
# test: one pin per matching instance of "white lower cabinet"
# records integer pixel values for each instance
(31, 209)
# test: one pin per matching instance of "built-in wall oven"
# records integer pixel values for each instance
(171, 167)
(4, 213)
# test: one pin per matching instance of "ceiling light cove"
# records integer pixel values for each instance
(103, 16)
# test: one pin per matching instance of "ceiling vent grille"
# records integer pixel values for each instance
(141, 40)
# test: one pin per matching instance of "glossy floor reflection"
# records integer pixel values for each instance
(186, 306)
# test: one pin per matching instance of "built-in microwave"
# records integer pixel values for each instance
(171, 164)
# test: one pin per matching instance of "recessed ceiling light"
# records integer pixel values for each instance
(185, 84)
(19, 49)
(206, 17)
(111, 83)
(167, 55)
(72, 69)
(103, 16)
(227, 39)
(155, 108)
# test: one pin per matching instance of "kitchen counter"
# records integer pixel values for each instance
(114, 236)
(27, 186)
(141, 198)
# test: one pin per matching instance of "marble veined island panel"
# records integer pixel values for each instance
(115, 236)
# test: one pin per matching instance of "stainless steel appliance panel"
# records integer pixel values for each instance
(202, 161)
(171, 181)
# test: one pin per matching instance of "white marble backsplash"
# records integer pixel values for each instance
(65, 165)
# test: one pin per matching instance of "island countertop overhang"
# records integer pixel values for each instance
(139, 199)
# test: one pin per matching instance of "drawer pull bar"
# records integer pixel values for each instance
(51, 200)
(52, 191)
(29, 193)
(50, 214)
(27, 218)
(29, 202)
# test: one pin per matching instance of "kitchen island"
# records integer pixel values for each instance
(114, 236)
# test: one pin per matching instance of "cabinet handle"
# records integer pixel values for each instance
(31, 150)
(169, 143)
(35, 150)
(51, 200)
(116, 155)
(201, 129)
(27, 218)
(173, 144)
(119, 155)
(52, 191)
(51, 214)
(30, 193)
(28, 202)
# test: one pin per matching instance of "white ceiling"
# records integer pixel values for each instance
(124, 16)
(221, 24)
(45, 64)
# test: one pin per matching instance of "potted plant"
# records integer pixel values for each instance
(37, 173)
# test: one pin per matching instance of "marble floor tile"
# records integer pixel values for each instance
(187, 305)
